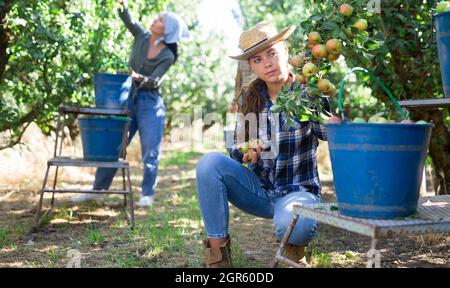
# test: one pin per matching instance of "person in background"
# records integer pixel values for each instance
(270, 186)
(154, 51)
(244, 76)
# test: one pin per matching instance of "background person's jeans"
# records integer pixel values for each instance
(148, 116)
(221, 179)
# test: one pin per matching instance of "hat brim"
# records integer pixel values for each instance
(283, 35)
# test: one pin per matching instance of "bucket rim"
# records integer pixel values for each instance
(107, 118)
(396, 125)
(110, 74)
(442, 14)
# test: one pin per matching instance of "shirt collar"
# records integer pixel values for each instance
(265, 91)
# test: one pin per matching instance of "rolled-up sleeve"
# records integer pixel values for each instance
(319, 130)
(235, 153)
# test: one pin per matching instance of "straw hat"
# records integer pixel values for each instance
(260, 37)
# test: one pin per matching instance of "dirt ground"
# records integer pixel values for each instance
(170, 233)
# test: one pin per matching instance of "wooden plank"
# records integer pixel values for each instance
(86, 191)
(432, 218)
(425, 103)
(78, 162)
(95, 111)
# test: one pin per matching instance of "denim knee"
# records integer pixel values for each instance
(151, 157)
(209, 163)
(306, 229)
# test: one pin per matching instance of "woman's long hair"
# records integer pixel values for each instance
(252, 99)
(174, 49)
(252, 102)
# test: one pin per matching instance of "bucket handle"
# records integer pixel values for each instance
(432, 40)
(378, 81)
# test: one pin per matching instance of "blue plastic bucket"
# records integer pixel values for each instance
(102, 137)
(442, 22)
(111, 90)
(377, 168)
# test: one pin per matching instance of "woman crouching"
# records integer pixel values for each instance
(275, 180)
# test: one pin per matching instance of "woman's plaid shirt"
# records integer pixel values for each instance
(291, 163)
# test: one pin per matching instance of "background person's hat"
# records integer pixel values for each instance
(174, 29)
(260, 37)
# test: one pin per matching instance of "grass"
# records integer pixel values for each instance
(94, 236)
(5, 237)
(9, 236)
(168, 234)
(179, 158)
(321, 259)
(64, 213)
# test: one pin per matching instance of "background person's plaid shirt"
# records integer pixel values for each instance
(295, 164)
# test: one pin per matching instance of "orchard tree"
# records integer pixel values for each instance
(5, 7)
(395, 45)
(51, 50)
(201, 77)
(281, 13)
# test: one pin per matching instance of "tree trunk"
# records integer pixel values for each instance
(439, 148)
(4, 41)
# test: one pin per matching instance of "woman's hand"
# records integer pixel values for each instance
(252, 155)
(136, 77)
(124, 3)
(233, 108)
(252, 151)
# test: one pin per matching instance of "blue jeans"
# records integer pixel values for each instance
(221, 179)
(148, 116)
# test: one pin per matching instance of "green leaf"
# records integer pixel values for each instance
(290, 104)
(400, 16)
(313, 91)
(317, 17)
(329, 26)
(334, 208)
(275, 109)
(306, 25)
(338, 18)
(305, 100)
(290, 123)
(372, 46)
(379, 36)
(304, 118)
(349, 255)
(340, 34)
(324, 65)
(368, 55)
